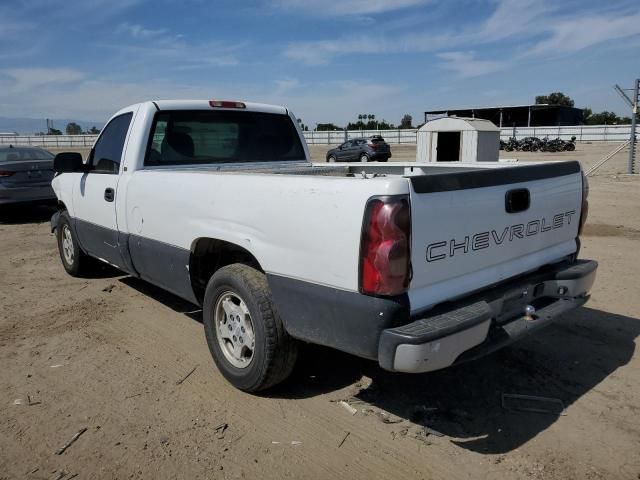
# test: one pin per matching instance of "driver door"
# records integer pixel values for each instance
(343, 151)
(94, 198)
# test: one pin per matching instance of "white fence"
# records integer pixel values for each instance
(49, 141)
(339, 136)
(583, 133)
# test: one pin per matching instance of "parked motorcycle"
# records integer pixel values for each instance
(534, 144)
(511, 145)
(570, 146)
(530, 144)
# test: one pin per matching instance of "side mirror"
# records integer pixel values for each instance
(68, 162)
(340, 147)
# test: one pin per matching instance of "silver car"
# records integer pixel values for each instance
(25, 175)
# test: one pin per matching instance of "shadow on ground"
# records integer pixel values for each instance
(175, 303)
(27, 213)
(564, 361)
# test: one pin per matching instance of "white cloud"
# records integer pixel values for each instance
(24, 79)
(151, 47)
(140, 32)
(574, 34)
(336, 101)
(322, 52)
(286, 85)
(74, 96)
(515, 18)
(532, 26)
(465, 64)
(346, 7)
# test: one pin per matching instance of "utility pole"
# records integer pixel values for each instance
(633, 103)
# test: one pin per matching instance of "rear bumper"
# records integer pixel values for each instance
(36, 193)
(379, 155)
(487, 321)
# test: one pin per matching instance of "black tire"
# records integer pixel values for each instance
(364, 157)
(78, 263)
(331, 159)
(275, 352)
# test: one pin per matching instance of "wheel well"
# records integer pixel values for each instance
(208, 255)
(61, 206)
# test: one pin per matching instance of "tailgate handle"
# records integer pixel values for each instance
(517, 200)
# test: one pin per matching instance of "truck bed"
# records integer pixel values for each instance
(441, 171)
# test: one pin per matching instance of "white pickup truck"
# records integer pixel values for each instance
(415, 266)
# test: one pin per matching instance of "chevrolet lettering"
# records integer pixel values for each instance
(478, 241)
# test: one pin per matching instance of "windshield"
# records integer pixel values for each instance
(204, 137)
(16, 154)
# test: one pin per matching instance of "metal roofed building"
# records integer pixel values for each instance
(538, 115)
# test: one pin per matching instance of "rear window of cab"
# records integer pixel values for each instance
(222, 136)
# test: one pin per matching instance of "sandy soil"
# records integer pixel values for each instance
(588, 153)
(108, 354)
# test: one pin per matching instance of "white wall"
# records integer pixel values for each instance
(488, 147)
(583, 133)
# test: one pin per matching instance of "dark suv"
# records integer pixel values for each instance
(361, 150)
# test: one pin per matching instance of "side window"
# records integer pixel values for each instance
(107, 154)
(346, 144)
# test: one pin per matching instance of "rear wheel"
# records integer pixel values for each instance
(244, 333)
(74, 260)
(364, 157)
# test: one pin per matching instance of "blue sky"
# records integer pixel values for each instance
(326, 60)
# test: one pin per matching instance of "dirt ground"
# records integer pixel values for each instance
(113, 355)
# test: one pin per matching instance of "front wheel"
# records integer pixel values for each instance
(331, 159)
(74, 260)
(245, 335)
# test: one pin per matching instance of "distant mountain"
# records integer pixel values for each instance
(29, 126)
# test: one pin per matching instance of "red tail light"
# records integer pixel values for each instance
(6, 173)
(384, 247)
(226, 104)
(373, 145)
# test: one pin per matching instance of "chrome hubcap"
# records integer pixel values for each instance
(234, 329)
(67, 245)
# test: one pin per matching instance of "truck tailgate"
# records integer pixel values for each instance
(464, 239)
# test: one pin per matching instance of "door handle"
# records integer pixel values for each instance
(109, 194)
